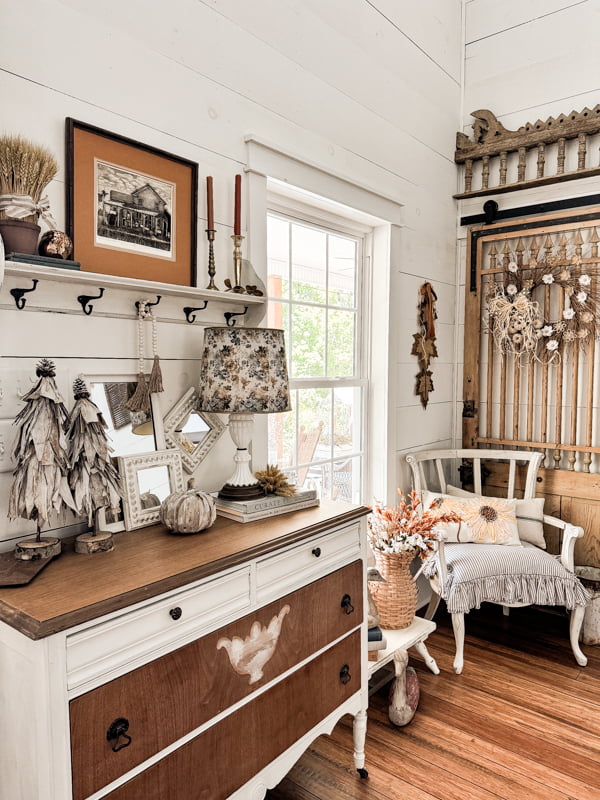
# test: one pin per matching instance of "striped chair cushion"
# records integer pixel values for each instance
(480, 573)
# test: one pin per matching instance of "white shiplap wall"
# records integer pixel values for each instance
(366, 89)
(527, 60)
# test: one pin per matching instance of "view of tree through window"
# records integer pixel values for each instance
(314, 295)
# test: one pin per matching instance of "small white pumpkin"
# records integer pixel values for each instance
(191, 511)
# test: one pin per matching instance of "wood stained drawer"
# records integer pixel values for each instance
(175, 694)
(226, 756)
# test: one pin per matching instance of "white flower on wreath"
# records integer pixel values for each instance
(587, 316)
(547, 330)
(585, 280)
(513, 267)
(511, 289)
(568, 313)
(581, 296)
(548, 278)
(552, 344)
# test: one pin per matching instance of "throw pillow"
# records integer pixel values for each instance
(485, 520)
(530, 516)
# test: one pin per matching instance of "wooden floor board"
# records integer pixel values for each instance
(521, 723)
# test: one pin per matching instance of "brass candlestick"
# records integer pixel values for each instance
(237, 264)
(210, 233)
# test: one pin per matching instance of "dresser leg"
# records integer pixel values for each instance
(359, 732)
(428, 659)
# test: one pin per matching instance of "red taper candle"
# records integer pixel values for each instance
(210, 214)
(237, 218)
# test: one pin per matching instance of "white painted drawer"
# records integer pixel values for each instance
(288, 570)
(126, 640)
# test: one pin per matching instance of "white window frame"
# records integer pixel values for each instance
(319, 217)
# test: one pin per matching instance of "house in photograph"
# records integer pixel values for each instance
(335, 292)
(143, 213)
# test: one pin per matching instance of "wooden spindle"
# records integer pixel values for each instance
(492, 255)
(593, 240)
(519, 249)
(545, 388)
(534, 249)
(562, 247)
(522, 164)
(505, 254)
(485, 172)
(589, 410)
(468, 174)
(516, 399)
(502, 417)
(560, 159)
(559, 371)
(574, 386)
(530, 396)
(578, 242)
(581, 151)
(491, 354)
(503, 167)
(541, 160)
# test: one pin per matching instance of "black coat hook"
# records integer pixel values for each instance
(229, 314)
(18, 294)
(137, 303)
(84, 299)
(189, 312)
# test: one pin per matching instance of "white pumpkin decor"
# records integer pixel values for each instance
(191, 511)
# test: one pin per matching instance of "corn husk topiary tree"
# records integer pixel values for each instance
(93, 479)
(40, 485)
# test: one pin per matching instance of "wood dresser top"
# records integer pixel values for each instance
(147, 562)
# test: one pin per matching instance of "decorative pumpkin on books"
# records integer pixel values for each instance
(397, 535)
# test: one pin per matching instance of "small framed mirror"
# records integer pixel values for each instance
(147, 480)
(193, 433)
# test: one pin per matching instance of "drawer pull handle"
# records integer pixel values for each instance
(176, 613)
(118, 730)
(316, 552)
(346, 604)
(345, 676)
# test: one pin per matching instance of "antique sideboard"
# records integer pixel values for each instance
(185, 666)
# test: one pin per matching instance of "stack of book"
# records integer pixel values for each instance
(267, 506)
(376, 641)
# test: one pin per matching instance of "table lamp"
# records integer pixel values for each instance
(244, 372)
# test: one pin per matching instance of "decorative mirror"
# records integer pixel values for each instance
(129, 433)
(147, 480)
(193, 433)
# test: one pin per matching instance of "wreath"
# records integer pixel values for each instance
(517, 322)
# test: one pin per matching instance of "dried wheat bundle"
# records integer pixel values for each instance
(514, 322)
(274, 481)
(93, 479)
(25, 170)
(40, 483)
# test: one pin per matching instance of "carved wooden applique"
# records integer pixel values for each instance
(503, 152)
(248, 656)
(424, 346)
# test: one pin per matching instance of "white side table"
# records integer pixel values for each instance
(412, 636)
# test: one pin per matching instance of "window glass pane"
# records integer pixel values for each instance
(309, 260)
(347, 415)
(282, 436)
(278, 316)
(346, 480)
(314, 425)
(278, 257)
(342, 271)
(340, 343)
(308, 341)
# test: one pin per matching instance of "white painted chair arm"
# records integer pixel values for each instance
(442, 568)
(570, 533)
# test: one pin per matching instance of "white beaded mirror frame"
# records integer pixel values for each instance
(193, 448)
(142, 498)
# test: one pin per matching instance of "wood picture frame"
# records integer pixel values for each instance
(131, 208)
(138, 512)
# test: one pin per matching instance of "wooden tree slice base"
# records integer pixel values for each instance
(100, 542)
(32, 550)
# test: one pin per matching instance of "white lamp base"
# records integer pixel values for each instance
(242, 485)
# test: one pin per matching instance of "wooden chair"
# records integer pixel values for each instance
(466, 574)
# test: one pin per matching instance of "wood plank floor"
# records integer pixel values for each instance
(521, 723)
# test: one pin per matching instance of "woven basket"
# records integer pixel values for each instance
(396, 599)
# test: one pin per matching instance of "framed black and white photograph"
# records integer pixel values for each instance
(131, 209)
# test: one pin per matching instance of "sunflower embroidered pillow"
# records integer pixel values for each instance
(485, 520)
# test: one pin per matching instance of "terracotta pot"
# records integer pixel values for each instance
(19, 236)
(396, 599)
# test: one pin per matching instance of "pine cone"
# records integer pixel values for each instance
(80, 390)
(45, 369)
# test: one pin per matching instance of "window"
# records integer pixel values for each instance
(315, 294)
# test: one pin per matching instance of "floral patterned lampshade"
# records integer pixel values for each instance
(244, 371)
